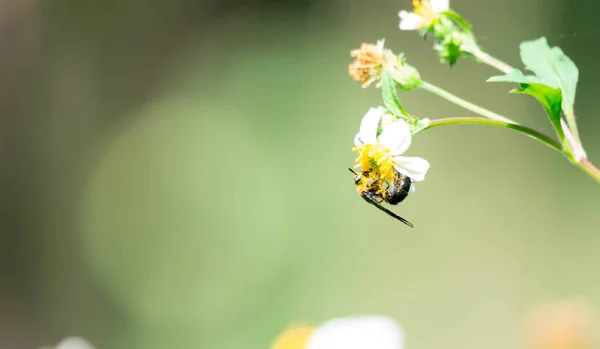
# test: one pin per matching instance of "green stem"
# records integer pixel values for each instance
(503, 67)
(465, 104)
(583, 163)
(573, 147)
(570, 117)
(589, 168)
(492, 61)
(481, 121)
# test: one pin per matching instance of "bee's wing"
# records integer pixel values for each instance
(374, 202)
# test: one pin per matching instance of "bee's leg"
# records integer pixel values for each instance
(372, 182)
(375, 196)
(374, 199)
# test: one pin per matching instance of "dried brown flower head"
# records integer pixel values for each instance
(367, 66)
(371, 61)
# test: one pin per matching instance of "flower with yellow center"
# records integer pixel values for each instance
(382, 154)
(363, 332)
(426, 11)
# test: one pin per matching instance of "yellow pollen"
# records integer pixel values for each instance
(376, 159)
(424, 10)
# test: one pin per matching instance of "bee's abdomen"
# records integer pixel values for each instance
(399, 189)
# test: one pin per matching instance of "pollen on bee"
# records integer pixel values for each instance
(377, 160)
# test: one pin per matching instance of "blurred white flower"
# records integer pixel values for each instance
(294, 337)
(424, 14)
(366, 332)
(72, 343)
(362, 332)
(383, 153)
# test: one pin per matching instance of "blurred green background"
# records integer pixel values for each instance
(174, 175)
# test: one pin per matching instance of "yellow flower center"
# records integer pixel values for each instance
(294, 337)
(376, 159)
(424, 10)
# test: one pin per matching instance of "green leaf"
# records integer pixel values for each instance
(456, 18)
(553, 67)
(390, 96)
(549, 97)
(516, 76)
(551, 100)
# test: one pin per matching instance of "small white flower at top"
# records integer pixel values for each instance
(383, 153)
(425, 12)
(361, 332)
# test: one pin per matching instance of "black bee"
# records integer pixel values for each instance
(368, 189)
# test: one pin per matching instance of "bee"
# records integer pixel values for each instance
(369, 189)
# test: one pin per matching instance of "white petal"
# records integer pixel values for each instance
(387, 120)
(415, 168)
(367, 332)
(369, 124)
(409, 20)
(439, 6)
(380, 46)
(357, 141)
(396, 137)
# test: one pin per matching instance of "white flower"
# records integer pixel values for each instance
(425, 12)
(72, 343)
(361, 332)
(366, 332)
(385, 150)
